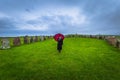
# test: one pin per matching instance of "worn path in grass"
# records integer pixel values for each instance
(80, 59)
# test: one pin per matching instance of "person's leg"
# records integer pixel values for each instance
(59, 50)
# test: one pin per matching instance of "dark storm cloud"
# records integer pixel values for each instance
(103, 16)
(108, 20)
(6, 23)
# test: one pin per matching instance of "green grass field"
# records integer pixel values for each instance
(80, 59)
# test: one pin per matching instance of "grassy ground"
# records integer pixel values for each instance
(80, 59)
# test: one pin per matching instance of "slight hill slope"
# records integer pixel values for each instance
(80, 59)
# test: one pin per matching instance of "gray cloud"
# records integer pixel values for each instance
(103, 16)
(6, 23)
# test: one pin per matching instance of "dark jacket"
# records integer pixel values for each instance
(59, 44)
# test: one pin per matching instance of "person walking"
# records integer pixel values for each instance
(59, 38)
(59, 44)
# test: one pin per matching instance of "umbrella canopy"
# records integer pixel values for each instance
(56, 36)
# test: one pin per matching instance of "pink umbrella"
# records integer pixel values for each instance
(56, 36)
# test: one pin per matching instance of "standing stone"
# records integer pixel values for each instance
(118, 43)
(103, 37)
(112, 40)
(44, 38)
(100, 37)
(16, 41)
(5, 43)
(97, 36)
(26, 41)
(35, 39)
(31, 40)
(41, 38)
(90, 36)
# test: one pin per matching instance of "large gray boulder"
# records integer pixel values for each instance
(5, 43)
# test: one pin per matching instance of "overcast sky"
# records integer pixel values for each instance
(48, 17)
